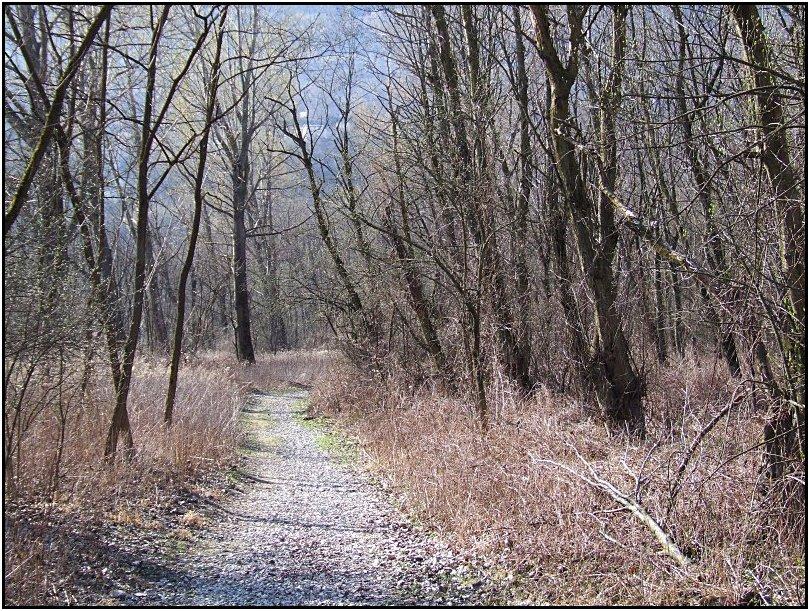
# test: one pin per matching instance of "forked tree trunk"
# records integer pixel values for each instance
(619, 387)
(120, 421)
(240, 141)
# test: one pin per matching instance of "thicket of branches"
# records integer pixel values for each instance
(567, 197)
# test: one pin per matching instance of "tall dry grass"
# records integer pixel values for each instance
(212, 388)
(57, 499)
(203, 437)
(509, 495)
(280, 370)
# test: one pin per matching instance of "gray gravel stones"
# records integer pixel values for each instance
(308, 530)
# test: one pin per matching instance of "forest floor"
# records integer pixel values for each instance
(305, 525)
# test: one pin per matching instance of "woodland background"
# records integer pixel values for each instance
(557, 254)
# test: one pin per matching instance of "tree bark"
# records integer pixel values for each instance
(619, 387)
(244, 340)
(177, 342)
(526, 163)
(786, 185)
(776, 154)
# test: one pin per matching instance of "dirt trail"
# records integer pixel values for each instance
(309, 530)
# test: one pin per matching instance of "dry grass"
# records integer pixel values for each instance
(50, 512)
(49, 494)
(203, 437)
(192, 519)
(502, 496)
(276, 371)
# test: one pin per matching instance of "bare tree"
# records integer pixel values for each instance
(199, 177)
(51, 119)
(619, 386)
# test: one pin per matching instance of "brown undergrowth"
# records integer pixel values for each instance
(61, 504)
(290, 368)
(515, 496)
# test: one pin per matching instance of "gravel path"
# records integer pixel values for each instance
(308, 530)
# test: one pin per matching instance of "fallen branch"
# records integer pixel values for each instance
(630, 219)
(667, 543)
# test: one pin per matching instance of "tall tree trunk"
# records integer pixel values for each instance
(715, 253)
(177, 342)
(244, 340)
(786, 185)
(776, 155)
(478, 213)
(660, 313)
(620, 389)
(278, 327)
(156, 322)
(410, 273)
(526, 163)
(101, 278)
(564, 284)
(120, 420)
